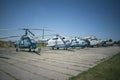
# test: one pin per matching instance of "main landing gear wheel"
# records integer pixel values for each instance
(39, 51)
(16, 48)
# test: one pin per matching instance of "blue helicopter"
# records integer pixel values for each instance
(26, 42)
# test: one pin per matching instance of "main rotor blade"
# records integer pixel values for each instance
(14, 36)
(9, 37)
(4, 29)
(7, 29)
(23, 29)
(41, 29)
(31, 32)
(4, 38)
(36, 29)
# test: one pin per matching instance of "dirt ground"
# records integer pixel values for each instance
(51, 64)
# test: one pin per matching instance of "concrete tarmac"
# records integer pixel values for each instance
(51, 64)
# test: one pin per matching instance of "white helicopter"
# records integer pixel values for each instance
(59, 42)
(108, 43)
(78, 42)
(93, 41)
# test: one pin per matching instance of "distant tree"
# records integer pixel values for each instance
(118, 41)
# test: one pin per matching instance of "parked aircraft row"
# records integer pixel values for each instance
(29, 41)
(64, 42)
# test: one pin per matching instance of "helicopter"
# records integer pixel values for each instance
(59, 42)
(93, 41)
(108, 43)
(26, 42)
(78, 42)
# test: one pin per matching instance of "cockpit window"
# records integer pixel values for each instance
(63, 38)
(55, 38)
(67, 41)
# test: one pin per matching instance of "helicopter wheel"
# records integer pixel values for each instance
(34, 50)
(29, 50)
(52, 48)
(65, 48)
(39, 51)
(16, 48)
(57, 48)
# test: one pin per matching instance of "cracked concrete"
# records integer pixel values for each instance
(52, 64)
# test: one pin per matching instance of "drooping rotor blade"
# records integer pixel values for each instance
(4, 38)
(7, 29)
(14, 36)
(36, 29)
(31, 32)
(48, 35)
(3, 29)
(42, 29)
(9, 37)
(26, 29)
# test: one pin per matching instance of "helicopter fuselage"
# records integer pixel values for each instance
(58, 42)
(25, 42)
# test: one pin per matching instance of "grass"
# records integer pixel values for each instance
(107, 70)
(4, 44)
(41, 45)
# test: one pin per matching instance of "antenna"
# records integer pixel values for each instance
(43, 34)
(43, 31)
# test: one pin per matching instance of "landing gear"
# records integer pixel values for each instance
(29, 50)
(52, 48)
(65, 48)
(57, 48)
(39, 51)
(16, 48)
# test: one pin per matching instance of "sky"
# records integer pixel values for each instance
(100, 18)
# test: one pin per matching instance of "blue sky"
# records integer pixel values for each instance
(100, 18)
